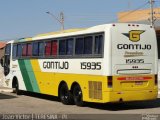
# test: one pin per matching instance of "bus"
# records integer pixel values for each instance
(104, 63)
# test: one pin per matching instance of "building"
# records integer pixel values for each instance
(2, 46)
(140, 16)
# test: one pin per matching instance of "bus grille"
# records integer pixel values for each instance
(95, 90)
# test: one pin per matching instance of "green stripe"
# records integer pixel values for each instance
(31, 75)
(25, 75)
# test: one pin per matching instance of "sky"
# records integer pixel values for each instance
(27, 18)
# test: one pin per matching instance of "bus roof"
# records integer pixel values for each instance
(70, 32)
(59, 32)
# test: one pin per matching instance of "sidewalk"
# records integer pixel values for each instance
(4, 89)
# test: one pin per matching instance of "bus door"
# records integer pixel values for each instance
(7, 58)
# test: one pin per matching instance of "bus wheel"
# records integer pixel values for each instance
(78, 96)
(65, 95)
(16, 87)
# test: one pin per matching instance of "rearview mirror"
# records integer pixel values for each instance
(2, 61)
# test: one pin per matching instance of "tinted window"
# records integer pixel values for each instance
(98, 44)
(54, 47)
(35, 49)
(14, 51)
(29, 49)
(69, 46)
(48, 48)
(79, 46)
(158, 45)
(88, 41)
(41, 48)
(62, 47)
(24, 49)
(19, 50)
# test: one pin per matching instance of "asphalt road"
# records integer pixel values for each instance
(42, 104)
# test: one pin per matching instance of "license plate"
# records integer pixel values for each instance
(138, 83)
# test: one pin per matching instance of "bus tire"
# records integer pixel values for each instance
(16, 87)
(65, 95)
(78, 95)
(18, 92)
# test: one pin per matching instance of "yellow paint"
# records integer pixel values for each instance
(14, 66)
(134, 35)
(60, 32)
(44, 82)
(48, 84)
(28, 39)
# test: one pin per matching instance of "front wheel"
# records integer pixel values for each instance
(78, 96)
(16, 89)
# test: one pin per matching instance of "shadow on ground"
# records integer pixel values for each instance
(126, 105)
(5, 96)
(41, 96)
(107, 106)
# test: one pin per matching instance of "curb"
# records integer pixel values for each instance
(6, 90)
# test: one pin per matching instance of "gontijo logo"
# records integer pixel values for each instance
(134, 35)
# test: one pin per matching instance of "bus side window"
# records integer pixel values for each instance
(14, 53)
(41, 48)
(69, 46)
(79, 47)
(48, 48)
(62, 47)
(88, 41)
(29, 49)
(98, 44)
(24, 49)
(19, 50)
(35, 49)
(54, 47)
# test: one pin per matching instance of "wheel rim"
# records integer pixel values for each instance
(78, 94)
(64, 94)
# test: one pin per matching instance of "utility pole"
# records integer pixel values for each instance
(60, 20)
(152, 12)
(129, 5)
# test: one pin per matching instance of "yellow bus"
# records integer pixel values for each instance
(105, 63)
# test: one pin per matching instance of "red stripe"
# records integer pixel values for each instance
(134, 78)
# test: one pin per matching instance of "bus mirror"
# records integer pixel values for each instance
(2, 62)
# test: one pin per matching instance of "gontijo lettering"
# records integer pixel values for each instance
(55, 65)
(134, 46)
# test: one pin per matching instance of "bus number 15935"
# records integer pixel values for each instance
(91, 65)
